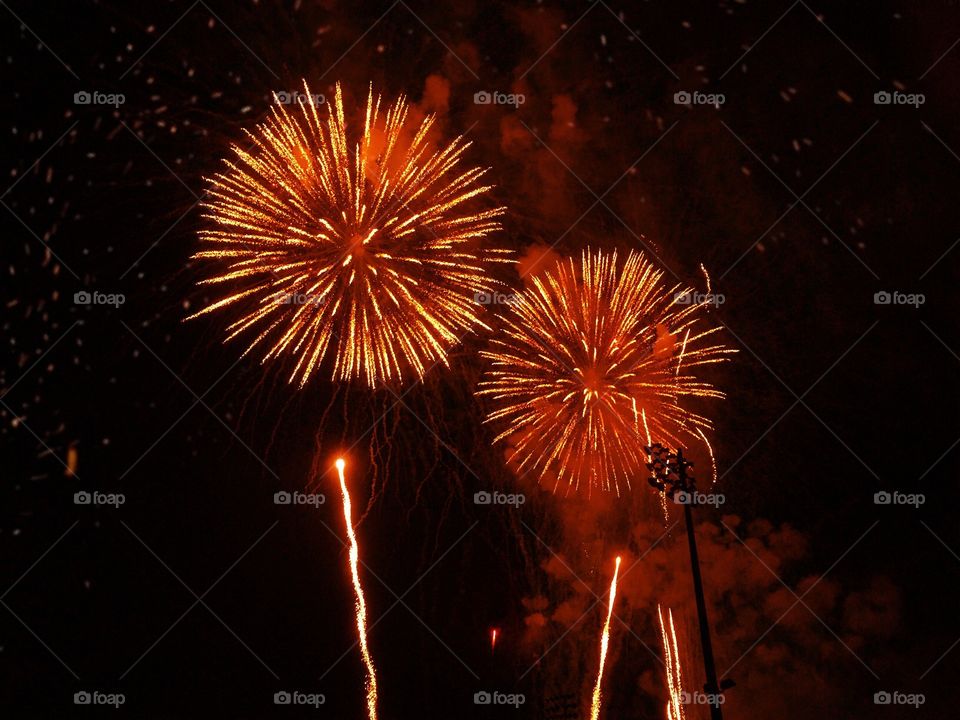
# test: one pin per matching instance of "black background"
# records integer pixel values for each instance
(106, 200)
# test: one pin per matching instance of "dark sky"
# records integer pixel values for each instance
(803, 194)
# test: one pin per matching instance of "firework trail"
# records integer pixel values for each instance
(604, 643)
(354, 244)
(599, 358)
(671, 654)
(361, 605)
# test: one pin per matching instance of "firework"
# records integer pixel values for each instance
(361, 605)
(597, 361)
(353, 243)
(604, 643)
(671, 654)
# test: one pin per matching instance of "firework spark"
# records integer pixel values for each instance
(671, 653)
(354, 245)
(597, 360)
(604, 643)
(361, 605)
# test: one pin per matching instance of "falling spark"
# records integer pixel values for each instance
(585, 348)
(671, 652)
(604, 642)
(348, 244)
(493, 641)
(713, 460)
(361, 605)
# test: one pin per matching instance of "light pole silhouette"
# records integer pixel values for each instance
(670, 474)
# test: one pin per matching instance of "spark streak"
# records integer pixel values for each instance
(361, 605)
(671, 652)
(604, 643)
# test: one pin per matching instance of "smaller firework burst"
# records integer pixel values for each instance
(599, 359)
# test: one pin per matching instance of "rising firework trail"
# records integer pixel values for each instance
(671, 654)
(604, 643)
(361, 605)
(598, 357)
(349, 242)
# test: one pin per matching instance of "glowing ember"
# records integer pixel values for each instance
(604, 643)
(361, 605)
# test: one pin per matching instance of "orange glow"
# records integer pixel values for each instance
(352, 244)
(604, 643)
(361, 605)
(493, 640)
(589, 350)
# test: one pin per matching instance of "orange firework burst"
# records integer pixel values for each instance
(597, 362)
(357, 245)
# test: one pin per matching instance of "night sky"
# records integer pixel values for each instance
(807, 155)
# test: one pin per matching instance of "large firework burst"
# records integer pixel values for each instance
(598, 359)
(354, 245)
